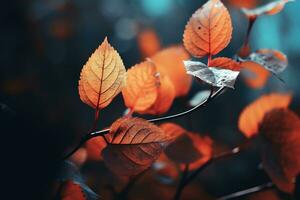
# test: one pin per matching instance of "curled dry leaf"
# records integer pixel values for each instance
(141, 89)
(253, 114)
(102, 77)
(134, 144)
(212, 75)
(255, 75)
(169, 62)
(280, 136)
(225, 63)
(273, 60)
(148, 43)
(94, 148)
(165, 97)
(188, 148)
(209, 29)
(271, 8)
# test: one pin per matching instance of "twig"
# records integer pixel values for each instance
(105, 131)
(247, 191)
(181, 182)
(221, 156)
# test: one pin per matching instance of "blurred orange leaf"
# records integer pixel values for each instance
(280, 130)
(256, 75)
(208, 30)
(134, 144)
(243, 3)
(94, 148)
(72, 191)
(253, 114)
(188, 148)
(141, 89)
(79, 157)
(148, 42)
(271, 8)
(102, 77)
(169, 62)
(225, 63)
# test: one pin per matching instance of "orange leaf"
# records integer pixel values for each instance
(243, 3)
(280, 129)
(94, 148)
(148, 43)
(102, 77)
(225, 63)
(253, 114)
(169, 62)
(209, 30)
(188, 148)
(72, 191)
(134, 145)
(165, 97)
(141, 89)
(79, 157)
(271, 8)
(258, 74)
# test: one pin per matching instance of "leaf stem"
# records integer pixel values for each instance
(105, 131)
(247, 191)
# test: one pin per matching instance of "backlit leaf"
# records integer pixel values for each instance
(271, 8)
(255, 75)
(280, 130)
(209, 29)
(134, 144)
(141, 89)
(253, 114)
(102, 77)
(165, 97)
(212, 75)
(272, 60)
(243, 3)
(169, 62)
(225, 63)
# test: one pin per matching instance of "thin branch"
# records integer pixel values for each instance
(181, 182)
(247, 191)
(218, 157)
(105, 131)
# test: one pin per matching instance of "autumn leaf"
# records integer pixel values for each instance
(243, 3)
(94, 147)
(209, 29)
(169, 62)
(165, 97)
(271, 8)
(280, 138)
(214, 76)
(102, 77)
(134, 144)
(273, 60)
(188, 148)
(225, 63)
(253, 114)
(79, 157)
(254, 74)
(148, 42)
(141, 89)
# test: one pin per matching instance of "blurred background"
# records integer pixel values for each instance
(44, 45)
